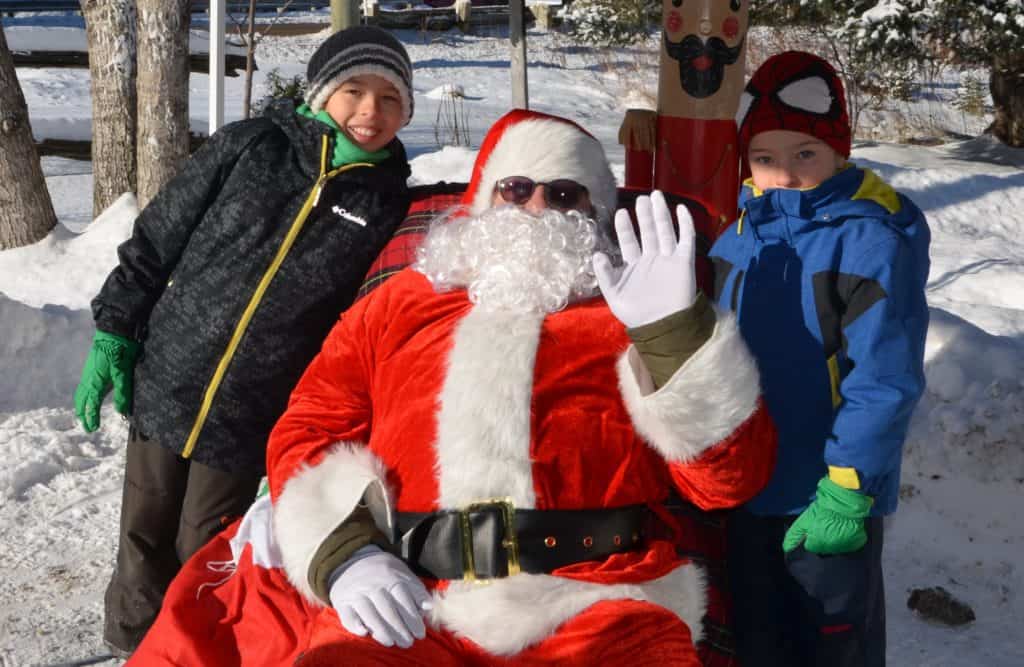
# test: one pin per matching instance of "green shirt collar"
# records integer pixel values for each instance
(345, 152)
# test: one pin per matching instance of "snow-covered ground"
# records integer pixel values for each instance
(959, 526)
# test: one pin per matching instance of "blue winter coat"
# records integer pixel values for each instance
(829, 288)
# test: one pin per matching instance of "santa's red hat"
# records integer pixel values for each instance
(543, 148)
(799, 92)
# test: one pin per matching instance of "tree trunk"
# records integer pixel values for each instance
(110, 30)
(26, 212)
(163, 132)
(1007, 87)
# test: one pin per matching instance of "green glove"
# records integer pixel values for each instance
(109, 364)
(833, 523)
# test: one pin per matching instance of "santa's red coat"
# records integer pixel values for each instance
(420, 401)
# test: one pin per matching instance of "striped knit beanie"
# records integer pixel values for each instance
(355, 52)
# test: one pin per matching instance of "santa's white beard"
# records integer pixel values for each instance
(508, 259)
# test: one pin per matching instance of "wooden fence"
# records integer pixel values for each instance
(9, 6)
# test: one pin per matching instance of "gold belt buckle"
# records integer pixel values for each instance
(510, 542)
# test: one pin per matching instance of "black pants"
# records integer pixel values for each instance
(801, 609)
(170, 507)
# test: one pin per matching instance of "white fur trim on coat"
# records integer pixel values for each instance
(712, 394)
(545, 150)
(483, 419)
(507, 615)
(318, 498)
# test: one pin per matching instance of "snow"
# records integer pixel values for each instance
(959, 524)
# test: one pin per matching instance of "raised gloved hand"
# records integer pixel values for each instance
(833, 523)
(109, 364)
(658, 277)
(376, 593)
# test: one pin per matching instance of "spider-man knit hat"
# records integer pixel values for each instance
(799, 92)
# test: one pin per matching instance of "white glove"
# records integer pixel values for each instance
(657, 280)
(376, 593)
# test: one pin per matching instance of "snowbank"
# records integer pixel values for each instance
(971, 418)
(41, 353)
(65, 268)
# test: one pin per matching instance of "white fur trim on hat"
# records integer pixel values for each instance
(545, 150)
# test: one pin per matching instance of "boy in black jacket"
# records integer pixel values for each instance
(232, 277)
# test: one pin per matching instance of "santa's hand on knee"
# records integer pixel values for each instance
(375, 593)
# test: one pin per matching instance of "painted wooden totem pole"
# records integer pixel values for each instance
(688, 146)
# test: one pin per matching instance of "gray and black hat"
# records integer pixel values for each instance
(354, 52)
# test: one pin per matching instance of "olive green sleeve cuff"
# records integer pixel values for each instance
(354, 533)
(667, 344)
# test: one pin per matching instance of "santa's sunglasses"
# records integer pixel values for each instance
(561, 194)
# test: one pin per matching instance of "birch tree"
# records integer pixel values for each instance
(163, 70)
(110, 30)
(26, 212)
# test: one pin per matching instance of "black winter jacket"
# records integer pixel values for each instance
(235, 273)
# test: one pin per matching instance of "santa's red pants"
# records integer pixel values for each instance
(615, 632)
(254, 617)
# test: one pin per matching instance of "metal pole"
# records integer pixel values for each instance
(517, 35)
(344, 14)
(217, 19)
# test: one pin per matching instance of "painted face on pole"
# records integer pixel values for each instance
(702, 57)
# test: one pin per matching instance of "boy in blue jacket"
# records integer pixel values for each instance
(826, 269)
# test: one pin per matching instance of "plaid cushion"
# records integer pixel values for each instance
(428, 202)
(703, 541)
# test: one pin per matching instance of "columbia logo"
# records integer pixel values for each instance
(348, 216)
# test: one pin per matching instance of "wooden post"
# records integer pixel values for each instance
(370, 10)
(517, 35)
(543, 15)
(344, 14)
(463, 9)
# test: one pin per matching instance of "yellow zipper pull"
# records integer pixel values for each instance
(739, 224)
(319, 190)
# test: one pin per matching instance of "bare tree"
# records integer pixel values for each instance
(163, 124)
(250, 40)
(110, 30)
(250, 52)
(26, 212)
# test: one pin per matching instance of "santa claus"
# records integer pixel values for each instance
(472, 470)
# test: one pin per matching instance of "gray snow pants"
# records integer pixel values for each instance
(170, 507)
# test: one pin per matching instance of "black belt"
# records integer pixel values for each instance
(491, 539)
